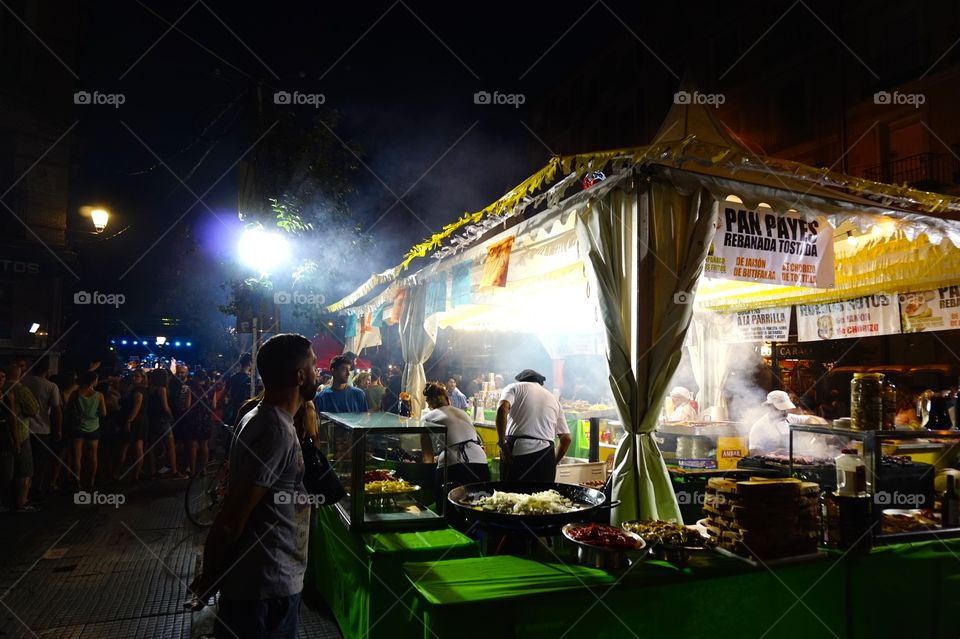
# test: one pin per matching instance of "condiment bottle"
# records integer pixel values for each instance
(851, 474)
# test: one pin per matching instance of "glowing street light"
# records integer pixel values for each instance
(262, 250)
(100, 217)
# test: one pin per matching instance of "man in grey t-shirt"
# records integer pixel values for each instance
(256, 551)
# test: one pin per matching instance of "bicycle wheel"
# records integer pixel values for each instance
(204, 496)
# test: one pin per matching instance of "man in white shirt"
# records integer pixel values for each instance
(683, 410)
(771, 432)
(45, 427)
(529, 419)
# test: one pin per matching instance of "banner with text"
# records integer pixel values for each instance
(861, 317)
(936, 310)
(771, 248)
(761, 325)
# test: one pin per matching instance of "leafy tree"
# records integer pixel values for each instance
(299, 183)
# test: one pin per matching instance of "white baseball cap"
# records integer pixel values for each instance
(682, 392)
(779, 400)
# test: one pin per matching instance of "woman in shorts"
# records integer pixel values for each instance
(89, 406)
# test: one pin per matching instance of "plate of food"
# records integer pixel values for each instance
(669, 541)
(602, 546)
(897, 520)
(388, 487)
(378, 474)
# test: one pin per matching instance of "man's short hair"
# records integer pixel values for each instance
(280, 356)
(41, 367)
(245, 360)
(339, 361)
(375, 373)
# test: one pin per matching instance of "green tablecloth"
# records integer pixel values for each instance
(360, 576)
(903, 591)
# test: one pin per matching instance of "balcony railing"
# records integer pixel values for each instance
(923, 170)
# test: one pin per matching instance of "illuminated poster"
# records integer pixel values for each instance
(861, 317)
(771, 248)
(936, 310)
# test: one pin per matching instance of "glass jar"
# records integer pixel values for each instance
(889, 405)
(866, 401)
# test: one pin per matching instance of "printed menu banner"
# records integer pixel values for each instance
(936, 310)
(861, 317)
(761, 325)
(771, 248)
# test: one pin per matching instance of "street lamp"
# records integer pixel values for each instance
(100, 217)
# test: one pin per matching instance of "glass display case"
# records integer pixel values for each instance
(386, 465)
(906, 475)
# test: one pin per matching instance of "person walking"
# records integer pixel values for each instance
(529, 419)
(256, 551)
(161, 421)
(46, 428)
(67, 384)
(25, 407)
(135, 428)
(199, 423)
(238, 388)
(375, 391)
(9, 446)
(88, 407)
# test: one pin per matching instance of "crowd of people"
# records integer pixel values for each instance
(77, 430)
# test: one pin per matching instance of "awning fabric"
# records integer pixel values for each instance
(884, 260)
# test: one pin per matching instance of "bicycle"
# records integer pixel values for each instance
(207, 490)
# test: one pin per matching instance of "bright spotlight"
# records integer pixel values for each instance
(262, 250)
(161, 340)
(34, 327)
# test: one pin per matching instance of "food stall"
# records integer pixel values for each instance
(625, 255)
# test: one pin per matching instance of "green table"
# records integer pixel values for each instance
(904, 591)
(360, 576)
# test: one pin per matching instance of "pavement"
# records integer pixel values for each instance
(118, 568)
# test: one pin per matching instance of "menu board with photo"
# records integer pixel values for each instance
(935, 310)
(861, 317)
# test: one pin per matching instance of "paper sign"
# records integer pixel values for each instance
(936, 310)
(771, 248)
(761, 325)
(861, 317)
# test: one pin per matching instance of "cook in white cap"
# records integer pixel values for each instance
(771, 432)
(683, 410)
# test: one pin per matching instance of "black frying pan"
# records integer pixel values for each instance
(586, 500)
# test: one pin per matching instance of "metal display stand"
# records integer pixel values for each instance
(872, 456)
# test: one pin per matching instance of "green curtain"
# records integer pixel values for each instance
(416, 345)
(644, 251)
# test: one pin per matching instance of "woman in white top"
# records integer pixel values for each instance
(464, 457)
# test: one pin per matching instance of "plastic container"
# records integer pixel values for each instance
(851, 474)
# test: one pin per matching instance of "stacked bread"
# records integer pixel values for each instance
(763, 518)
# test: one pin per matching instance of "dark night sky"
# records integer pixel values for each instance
(404, 96)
